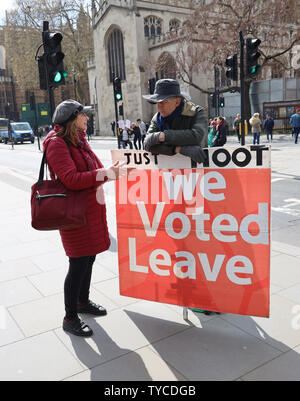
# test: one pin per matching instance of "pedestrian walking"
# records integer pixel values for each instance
(89, 131)
(221, 132)
(125, 139)
(212, 132)
(236, 126)
(143, 129)
(137, 137)
(295, 123)
(256, 124)
(72, 161)
(113, 127)
(179, 126)
(268, 126)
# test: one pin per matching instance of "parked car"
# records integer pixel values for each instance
(19, 132)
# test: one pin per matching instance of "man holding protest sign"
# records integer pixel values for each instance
(194, 237)
(179, 126)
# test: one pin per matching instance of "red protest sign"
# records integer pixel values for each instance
(197, 237)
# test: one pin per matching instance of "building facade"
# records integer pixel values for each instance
(135, 40)
(8, 95)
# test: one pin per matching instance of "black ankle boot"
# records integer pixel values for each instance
(91, 308)
(77, 327)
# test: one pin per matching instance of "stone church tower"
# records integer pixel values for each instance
(131, 37)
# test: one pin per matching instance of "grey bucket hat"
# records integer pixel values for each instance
(68, 110)
(164, 88)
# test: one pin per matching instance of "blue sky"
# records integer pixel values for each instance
(5, 5)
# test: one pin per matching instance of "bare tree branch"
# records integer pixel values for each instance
(23, 34)
(212, 34)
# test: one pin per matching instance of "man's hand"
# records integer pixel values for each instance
(161, 137)
(194, 152)
(151, 140)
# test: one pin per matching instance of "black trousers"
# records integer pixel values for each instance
(269, 133)
(137, 139)
(77, 283)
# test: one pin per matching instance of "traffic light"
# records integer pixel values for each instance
(232, 64)
(221, 101)
(117, 89)
(252, 56)
(213, 99)
(42, 73)
(53, 59)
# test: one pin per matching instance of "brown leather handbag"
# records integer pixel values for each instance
(55, 207)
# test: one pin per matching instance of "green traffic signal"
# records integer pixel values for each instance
(53, 60)
(117, 86)
(255, 69)
(57, 77)
(252, 56)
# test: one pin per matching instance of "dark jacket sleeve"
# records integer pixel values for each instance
(161, 148)
(196, 135)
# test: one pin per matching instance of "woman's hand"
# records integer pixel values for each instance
(116, 171)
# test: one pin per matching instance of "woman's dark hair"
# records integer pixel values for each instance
(68, 132)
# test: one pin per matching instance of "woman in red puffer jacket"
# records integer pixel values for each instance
(71, 159)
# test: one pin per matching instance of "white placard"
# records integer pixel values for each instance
(232, 157)
(121, 124)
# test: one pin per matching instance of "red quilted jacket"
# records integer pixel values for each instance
(73, 171)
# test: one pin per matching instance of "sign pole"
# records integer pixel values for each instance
(242, 81)
(49, 87)
(116, 113)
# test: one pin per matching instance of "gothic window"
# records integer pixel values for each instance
(115, 50)
(146, 31)
(152, 30)
(152, 26)
(174, 25)
(166, 66)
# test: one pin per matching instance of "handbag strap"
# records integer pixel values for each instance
(44, 162)
(42, 169)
